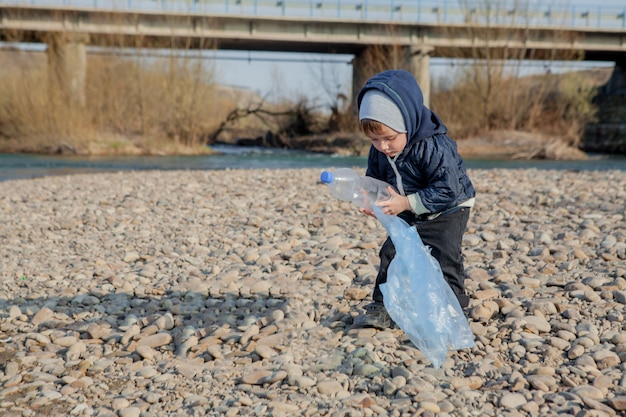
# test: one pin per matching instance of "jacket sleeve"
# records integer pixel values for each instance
(439, 166)
(373, 165)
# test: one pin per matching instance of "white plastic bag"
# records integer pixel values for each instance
(418, 298)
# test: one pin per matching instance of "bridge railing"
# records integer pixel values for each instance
(503, 12)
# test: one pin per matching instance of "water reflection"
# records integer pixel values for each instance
(16, 166)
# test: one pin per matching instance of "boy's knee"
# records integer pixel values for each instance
(463, 300)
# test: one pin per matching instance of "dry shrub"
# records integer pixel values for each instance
(129, 103)
(493, 95)
(555, 105)
(34, 110)
(573, 105)
(173, 98)
(300, 118)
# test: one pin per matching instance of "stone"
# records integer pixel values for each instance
(194, 293)
(155, 340)
(617, 403)
(513, 400)
(328, 387)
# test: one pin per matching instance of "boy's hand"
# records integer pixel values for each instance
(368, 212)
(395, 205)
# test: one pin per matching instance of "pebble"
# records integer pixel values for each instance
(169, 293)
(513, 400)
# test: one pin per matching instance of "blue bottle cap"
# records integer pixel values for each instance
(327, 177)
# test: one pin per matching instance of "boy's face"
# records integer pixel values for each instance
(388, 141)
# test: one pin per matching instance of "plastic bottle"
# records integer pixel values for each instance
(347, 185)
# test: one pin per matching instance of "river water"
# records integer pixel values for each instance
(20, 166)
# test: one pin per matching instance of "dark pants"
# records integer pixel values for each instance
(444, 236)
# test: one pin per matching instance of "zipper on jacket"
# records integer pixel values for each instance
(392, 162)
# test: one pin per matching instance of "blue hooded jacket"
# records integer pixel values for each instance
(430, 165)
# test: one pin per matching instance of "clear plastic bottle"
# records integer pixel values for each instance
(347, 185)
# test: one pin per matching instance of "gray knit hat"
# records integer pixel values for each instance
(376, 105)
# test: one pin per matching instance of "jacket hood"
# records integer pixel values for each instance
(403, 89)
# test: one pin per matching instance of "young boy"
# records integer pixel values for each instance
(411, 151)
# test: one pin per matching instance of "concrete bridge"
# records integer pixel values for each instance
(405, 33)
(414, 31)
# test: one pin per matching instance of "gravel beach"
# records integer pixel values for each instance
(231, 293)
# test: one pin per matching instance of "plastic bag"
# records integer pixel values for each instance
(417, 296)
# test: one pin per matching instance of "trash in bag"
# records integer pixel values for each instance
(417, 296)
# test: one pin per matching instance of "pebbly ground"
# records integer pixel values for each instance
(231, 293)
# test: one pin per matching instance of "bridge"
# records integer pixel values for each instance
(413, 30)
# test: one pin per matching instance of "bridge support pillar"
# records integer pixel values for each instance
(67, 66)
(415, 59)
(419, 66)
(361, 72)
(608, 134)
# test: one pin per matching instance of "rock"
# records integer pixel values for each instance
(42, 316)
(544, 383)
(194, 293)
(617, 403)
(355, 293)
(130, 412)
(262, 376)
(145, 352)
(587, 391)
(606, 359)
(537, 323)
(513, 400)
(328, 387)
(155, 340)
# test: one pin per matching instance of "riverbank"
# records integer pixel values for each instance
(204, 293)
(502, 145)
(518, 145)
(24, 166)
(104, 146)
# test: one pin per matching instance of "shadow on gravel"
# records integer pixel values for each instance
(82, 335)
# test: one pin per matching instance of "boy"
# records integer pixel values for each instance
(411, 151)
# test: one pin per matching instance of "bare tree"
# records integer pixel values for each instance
(500, 97)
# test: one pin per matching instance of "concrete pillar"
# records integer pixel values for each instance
(67, 66)
(372, 60)
(419, 66)
(608, 133)
(360, 74)
(617, 82)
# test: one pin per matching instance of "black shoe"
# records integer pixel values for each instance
(376, 317)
